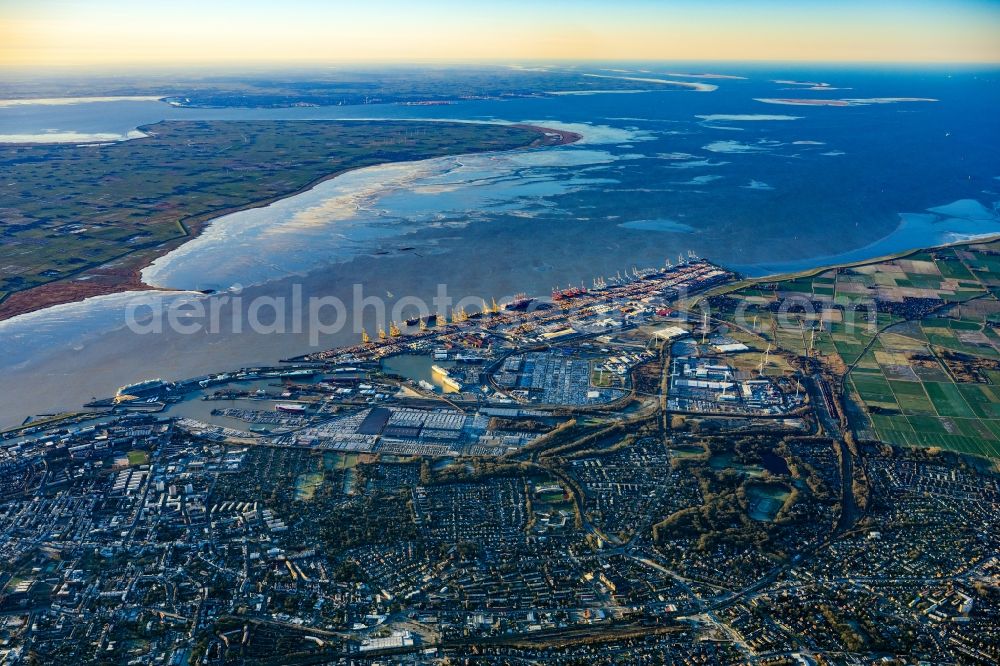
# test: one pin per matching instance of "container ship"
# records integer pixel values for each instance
(568, 293)
(520, 303)
(428, 320)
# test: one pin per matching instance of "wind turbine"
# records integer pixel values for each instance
(764, 358)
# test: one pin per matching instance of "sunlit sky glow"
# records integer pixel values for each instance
(186, 32)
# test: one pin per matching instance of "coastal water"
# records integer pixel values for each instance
(756, 186)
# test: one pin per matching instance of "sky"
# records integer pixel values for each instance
(123, 33)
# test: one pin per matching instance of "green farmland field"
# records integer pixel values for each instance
(926, 369)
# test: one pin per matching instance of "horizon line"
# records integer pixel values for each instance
(496, 62)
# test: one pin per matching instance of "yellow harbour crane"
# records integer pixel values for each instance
(394, 330)
(381, 334)
(364, 337)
